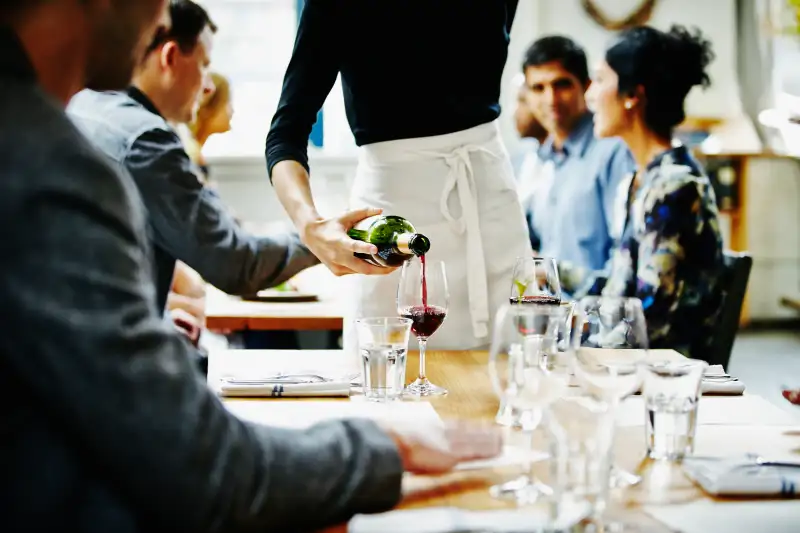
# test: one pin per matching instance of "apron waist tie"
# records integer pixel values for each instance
(461, 179)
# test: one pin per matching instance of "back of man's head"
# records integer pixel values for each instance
(187, 21)
(557, 48)
(109, 34)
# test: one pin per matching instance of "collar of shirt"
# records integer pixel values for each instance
(576, 144)
(143, 100)
(677, 155)
(14, 61)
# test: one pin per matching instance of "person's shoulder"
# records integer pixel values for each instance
(115, 114)
(611, 148)
(614, 160)
(45, 152)
(680, 178)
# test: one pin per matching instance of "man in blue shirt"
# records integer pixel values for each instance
(571, 210)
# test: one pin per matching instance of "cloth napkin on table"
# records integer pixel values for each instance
(742, 477)
(285, 390)
(720, 387)
(454, 520)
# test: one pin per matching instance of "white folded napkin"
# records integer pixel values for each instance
(288, 390)
(742, 476)
(727, 387)
(451, 519)
(722, 388)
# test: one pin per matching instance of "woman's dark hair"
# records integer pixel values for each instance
(666, 65)
(187, 22)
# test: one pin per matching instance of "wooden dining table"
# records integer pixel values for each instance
(232, 313)
(757, 426)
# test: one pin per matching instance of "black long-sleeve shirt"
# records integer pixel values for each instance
(411, 68)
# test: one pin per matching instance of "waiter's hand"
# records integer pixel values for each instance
(328, 240)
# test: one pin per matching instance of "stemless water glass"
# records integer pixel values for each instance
(382, 344)
(528, 372)
(671, 392)
(422, 297)
(535, 281)
(610, 342)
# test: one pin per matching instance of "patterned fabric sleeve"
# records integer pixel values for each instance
(670, 223)
(578, 282)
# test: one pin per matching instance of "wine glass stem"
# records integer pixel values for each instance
(613, 409)
(422, 345)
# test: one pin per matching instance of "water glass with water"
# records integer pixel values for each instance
(382, 345)
(671, 391)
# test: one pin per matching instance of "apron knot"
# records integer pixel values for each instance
(461, 180)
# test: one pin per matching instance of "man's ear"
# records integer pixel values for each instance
(169, 54)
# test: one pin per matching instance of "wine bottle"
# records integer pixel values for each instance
(395, 238)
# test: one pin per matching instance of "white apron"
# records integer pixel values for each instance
(457, 189)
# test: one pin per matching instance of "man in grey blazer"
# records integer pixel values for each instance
(106, 425)
(187, 220)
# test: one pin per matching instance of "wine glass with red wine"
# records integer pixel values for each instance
(535, 282)
(422, 296)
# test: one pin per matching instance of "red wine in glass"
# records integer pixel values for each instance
(425, 320)
(422, 297)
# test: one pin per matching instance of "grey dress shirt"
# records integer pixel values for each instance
(106, 426)
(186, 219)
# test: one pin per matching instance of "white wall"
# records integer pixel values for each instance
(773, 234)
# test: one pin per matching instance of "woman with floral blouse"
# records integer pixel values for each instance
(669, 248)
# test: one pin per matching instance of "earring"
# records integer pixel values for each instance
(628, 105)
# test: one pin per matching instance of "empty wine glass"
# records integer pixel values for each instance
(535, 281)
(422, 296)
(610, 342)
(528, 372)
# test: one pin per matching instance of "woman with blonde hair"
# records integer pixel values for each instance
(214, 115)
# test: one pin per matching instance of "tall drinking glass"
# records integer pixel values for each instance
(610, 342)
(528, 372)
(423, 297)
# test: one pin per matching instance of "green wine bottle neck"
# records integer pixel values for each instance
(413, 243)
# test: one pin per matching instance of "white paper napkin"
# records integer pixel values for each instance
(278, 390)
(742, 476)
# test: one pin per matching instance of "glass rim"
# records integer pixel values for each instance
(520, 308)
(536, 258)
(428, 260)
(383, 321)
(596, 298)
